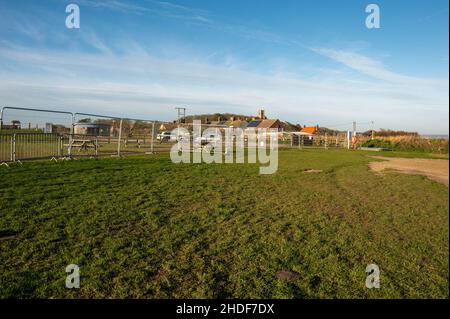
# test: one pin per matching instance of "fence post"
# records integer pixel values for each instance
(72, 131)
(120, 137)
(1, 119)
(60, 146)
(13, 148)
(153, 136)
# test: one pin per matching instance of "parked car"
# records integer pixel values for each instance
(172, 136)
(165, 136)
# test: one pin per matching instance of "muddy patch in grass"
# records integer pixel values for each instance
(435, 169)
(287, 275)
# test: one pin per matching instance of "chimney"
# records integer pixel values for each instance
(261, 114)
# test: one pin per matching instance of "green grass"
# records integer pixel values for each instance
(407, 154)
(144, 227)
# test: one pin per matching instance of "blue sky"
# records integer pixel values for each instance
(307, 62)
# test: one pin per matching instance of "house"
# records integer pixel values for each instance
(56, 128)
(270, 124)
(15, 125)
(237, 124)
(311, 130)
(308, 133)
(95, 129)
(220, 123)
(262, 122)
(167, 127)
(253, 124)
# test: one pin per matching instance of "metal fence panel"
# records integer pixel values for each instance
(36, 146)
(6, 146)
(60, 133)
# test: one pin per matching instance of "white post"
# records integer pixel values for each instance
(120, 137)
(153, 136)
(348, 139)
(72, 131)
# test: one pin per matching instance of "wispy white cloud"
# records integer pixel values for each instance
(192, 16)
(92, 39)
(371, 67)
(115, 5)
(161, 8)
(148, 86)
(175, 6)
(135, 82)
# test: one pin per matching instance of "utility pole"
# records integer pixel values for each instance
(181, 114)
(373, 131)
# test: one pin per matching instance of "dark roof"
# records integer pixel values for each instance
(219, 122)
(238, 124)
(254, 123)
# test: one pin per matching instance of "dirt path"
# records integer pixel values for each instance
(434, 169)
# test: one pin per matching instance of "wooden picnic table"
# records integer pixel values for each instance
(83, 144)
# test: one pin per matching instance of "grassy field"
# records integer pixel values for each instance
(144, 227)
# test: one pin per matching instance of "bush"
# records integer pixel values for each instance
(409, 144)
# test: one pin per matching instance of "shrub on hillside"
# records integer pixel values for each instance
(409, 144)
